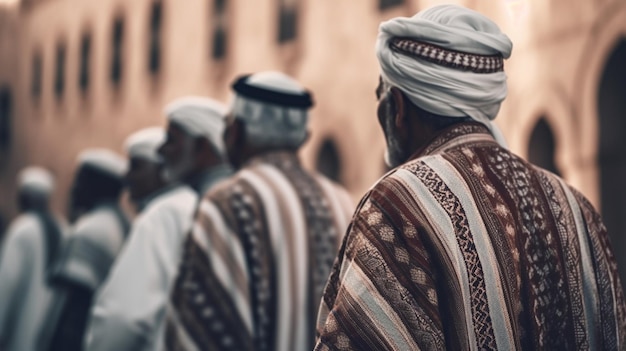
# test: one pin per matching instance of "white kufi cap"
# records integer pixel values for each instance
(36, 179)
(145, 144)
(199, 117)
(103, 160)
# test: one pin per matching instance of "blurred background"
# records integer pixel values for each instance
(76, 74)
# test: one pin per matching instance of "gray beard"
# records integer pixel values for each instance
(178, 171)
(394, 155)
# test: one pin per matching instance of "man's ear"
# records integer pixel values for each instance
(399, 108)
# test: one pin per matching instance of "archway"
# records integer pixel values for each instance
(611, 150)
(541, 147)
(329, 160)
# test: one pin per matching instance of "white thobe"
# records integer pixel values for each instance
(25, 297)
(129, 309)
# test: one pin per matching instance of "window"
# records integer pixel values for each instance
(328, 161)
(59, 77)
(219, 47)
(5, 118)
(154, 54)
(385, 4)
(288, 20)
(85, 54)
(117, 51)
(36, 76)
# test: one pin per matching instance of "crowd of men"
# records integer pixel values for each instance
(236, 246)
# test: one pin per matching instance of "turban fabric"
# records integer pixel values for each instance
(273, 107)
(200, 117)
(434, 76)
(36, 179)
(104, 161)
(145, 144)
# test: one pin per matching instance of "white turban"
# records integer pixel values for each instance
(438, 88)
(36, 179)
(103, 160)
(145, 144)
(200, 117)
(274, 108)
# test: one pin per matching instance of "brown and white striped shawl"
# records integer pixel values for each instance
(257, 260)
(469, 247)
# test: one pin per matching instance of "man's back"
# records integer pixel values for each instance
(24, 293)
(257, 259)
(129, 310)
(467, 246)
(89, 252)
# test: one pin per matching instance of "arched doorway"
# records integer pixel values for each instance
(541, 147)
(612, 150)
(329, 161)
(5, 118)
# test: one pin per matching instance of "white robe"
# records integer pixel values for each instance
(129, 309)
(25, 298)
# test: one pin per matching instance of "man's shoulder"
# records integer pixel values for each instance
(24, 227)
(101, 220)
(179, 197)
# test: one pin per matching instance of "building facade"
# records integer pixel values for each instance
(76, 74)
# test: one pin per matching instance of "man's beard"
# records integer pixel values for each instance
(394, 153)
(180, 170)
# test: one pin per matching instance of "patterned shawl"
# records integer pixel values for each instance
(256, 262)
(468, 247)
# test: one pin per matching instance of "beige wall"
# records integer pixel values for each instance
(559, 51)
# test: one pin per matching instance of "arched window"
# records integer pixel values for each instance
(287, 20)
(85, 58)
(117, 47)
(385, 4)
(36, 76)
(59, 77)
(154, 52)
(6, 107)
(541, 148)
(329, 161)
(611, 156)
(219, 47)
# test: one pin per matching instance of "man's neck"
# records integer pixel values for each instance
(202, 178)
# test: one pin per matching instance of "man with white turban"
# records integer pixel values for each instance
(263, 241)
(29, 250)
(98, 232)
(193, 151)
(129, 310)
(464, 245)
(145, 178)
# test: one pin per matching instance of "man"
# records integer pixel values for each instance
(129, 313)
(465, 246)
(29, 250)
(97, 235)
(264, 241)
(145, 177)
(193, 151)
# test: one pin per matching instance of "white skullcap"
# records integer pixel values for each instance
(36, 179)
(200, 117)
(103, 160)
(274, 108)
(436, 84)
(145, 144)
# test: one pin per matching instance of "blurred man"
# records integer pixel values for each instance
(129, 312)
(264, 241)
(145, 178)
(465, 246)
(30, 248)
(97, 235)
(194, 150)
